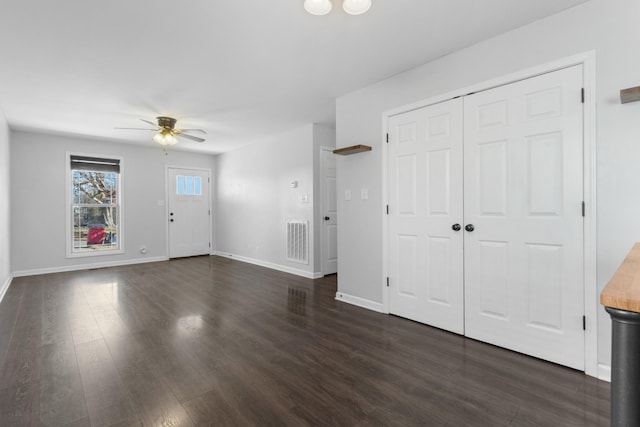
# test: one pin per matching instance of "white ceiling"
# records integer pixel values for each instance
(242, 70)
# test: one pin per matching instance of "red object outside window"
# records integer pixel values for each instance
(95, 236)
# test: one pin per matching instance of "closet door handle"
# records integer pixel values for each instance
(469, 227)
(456, 227)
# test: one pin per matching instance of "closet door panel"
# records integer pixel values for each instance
(425, 200)
(523, 194)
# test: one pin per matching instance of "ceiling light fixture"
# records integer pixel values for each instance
(317, 7)
(322, 7)
(356, 7)
(165, 137)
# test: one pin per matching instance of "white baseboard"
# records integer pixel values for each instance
(360, 302)
(604, 372)
(48, 270)
(270, 265)
(5, 286)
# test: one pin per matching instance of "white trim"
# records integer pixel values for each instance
(588, 62)
(270, 265)
(49, 270)
(385, 215)
(69, 216)
(166, 203)
(360, 302)
(5, 287)
(604, 372)
(591, 297)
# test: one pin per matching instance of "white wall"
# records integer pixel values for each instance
(608, 27)
(5, 253)
(38, 201)
(255, 199)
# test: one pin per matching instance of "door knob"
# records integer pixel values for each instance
(469, 227)
(456, 227)
(171, 214)
(171, 220)
(326, 218)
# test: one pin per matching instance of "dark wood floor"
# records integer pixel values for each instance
(211, 341)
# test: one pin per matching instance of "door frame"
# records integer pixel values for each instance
(588, 62)
(323, 193)
(166, 204)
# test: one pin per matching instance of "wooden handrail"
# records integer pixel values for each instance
(623, 290)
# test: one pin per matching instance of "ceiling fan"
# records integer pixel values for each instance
(166, 131)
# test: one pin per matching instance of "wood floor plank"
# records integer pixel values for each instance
(213, 341)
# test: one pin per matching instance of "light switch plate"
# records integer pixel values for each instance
(347, 194)
(364, 193)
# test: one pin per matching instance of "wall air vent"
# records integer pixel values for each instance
(298, 241)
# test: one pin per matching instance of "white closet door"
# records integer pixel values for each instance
(425, 200)
(523, 194)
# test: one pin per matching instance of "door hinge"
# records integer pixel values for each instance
(387, 282)
(209, 212)
(583, 209)
(582, 95)
(387, 138)
(209, 244)
(387, 209)
(584, 323)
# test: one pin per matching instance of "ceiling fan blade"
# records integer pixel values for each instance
(149, 122)
(193, 130)
(191, 137)
(137, 129)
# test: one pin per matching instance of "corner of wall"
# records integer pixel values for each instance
(5, 242)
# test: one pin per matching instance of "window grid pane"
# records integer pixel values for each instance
(188, 183)
(198, 186)
(179, 185)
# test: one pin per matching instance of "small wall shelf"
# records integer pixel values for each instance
(352, 149)
(630, 95)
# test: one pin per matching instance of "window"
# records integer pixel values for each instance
(95, 205)
(188, 185)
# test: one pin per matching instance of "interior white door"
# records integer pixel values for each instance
(425, 202)
(523, 196)
(330, 214)
(189, 212)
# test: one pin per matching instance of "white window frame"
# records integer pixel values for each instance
(69, 208)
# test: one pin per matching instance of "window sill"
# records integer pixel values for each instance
(94, 253)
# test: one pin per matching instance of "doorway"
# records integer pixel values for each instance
(329, 239)
(189, 212)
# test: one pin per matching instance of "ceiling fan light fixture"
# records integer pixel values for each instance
(356, 7)
(317, 7)
(165, 137)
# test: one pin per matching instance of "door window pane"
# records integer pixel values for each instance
(188, 185)
(197, 182)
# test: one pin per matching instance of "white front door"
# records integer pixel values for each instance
(425, 204)
(188, 212)
(329, 213)
(523, 195)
